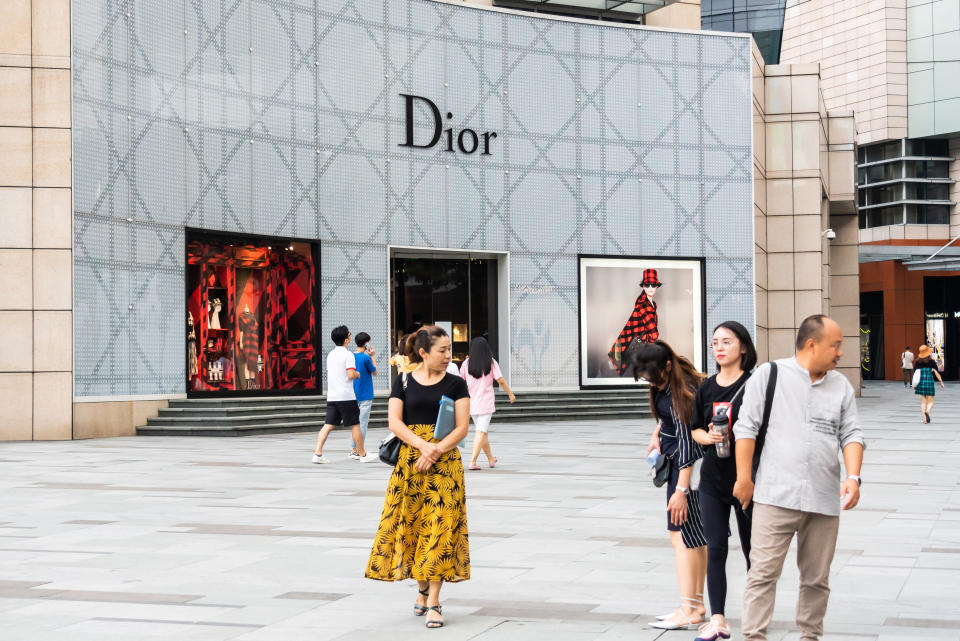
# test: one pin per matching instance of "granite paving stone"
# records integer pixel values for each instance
(244, 539)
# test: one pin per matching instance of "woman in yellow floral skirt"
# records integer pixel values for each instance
(423, 528)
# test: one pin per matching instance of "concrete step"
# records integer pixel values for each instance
(522, 397)
(263, 415)
(377, 431)
(381, 408)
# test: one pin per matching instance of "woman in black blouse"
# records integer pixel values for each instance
(673, 385)
(736, 357)
(423, 527)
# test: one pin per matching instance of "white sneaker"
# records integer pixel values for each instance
(371, 456)
(353, 455)
(320, 458)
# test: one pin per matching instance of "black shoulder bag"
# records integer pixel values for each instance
(390, 446)
(765, 423)
(661, 471)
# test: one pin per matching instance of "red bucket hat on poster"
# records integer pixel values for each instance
(650, 278)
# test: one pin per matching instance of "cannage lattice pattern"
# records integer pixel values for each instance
(283, 117)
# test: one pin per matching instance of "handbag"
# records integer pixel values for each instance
(390, 447)
(390, 450)
(661, 471)
(917, 374)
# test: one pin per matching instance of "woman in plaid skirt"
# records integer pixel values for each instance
(927, 368)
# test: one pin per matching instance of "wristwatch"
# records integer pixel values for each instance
(855, 478)
(683, 490)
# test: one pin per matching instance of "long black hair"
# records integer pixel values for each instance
(481, 358)
(650, 362)
(748, 359)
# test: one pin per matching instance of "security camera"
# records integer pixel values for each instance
(829, 234)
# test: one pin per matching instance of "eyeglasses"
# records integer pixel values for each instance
(726, 342)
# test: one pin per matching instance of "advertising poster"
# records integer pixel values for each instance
(935, 330)
(623, 300)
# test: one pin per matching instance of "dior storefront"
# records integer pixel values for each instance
(250, 174)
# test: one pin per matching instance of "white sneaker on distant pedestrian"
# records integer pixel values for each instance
(353, 455)
(320, 458)
(371, 456)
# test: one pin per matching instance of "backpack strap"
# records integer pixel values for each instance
(765, 423)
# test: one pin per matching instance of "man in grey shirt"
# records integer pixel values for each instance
(799, 490)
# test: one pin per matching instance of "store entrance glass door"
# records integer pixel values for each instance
(456, 292)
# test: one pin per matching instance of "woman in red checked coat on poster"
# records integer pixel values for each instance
(642, 323)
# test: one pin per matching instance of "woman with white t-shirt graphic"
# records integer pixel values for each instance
(480, 370)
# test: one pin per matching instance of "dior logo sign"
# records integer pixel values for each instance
(468, 141)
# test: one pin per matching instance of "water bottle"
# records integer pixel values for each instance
(721, 424)
(652, 457)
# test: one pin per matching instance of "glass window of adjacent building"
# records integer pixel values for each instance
(761, 18)
(904, 182)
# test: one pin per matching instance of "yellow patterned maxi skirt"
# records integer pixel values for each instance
(423, 528)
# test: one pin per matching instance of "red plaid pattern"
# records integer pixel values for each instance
(650, 278)
(251, 341)
(642, 324)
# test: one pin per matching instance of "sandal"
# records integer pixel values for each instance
(667, 622)
(670, 624)
(473, 467)
(434, 623)
(493, 462)
(420, 610)
(698, 603)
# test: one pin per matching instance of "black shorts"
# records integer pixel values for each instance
(346, 412)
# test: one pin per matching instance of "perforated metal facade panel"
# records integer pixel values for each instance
(284, 118)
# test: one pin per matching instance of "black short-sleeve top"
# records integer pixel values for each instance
(421, 403)
(718, 474)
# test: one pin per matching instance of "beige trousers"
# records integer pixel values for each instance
(773, 530)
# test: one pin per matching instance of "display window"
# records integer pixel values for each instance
(251, 321)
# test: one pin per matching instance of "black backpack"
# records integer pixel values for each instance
(765, 423)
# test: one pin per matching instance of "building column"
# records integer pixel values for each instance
(843, 251)
(955, 187)
(759, 205)
(795, 134)
(36, 262)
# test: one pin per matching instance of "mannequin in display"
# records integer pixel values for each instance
(191, 347)
(214, 371)
(249, 346)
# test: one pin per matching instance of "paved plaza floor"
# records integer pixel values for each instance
(205, 538)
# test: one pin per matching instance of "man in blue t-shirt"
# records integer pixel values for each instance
(363, 385)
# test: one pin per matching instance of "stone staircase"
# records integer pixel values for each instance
(278, 414)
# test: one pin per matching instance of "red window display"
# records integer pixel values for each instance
(251, 322)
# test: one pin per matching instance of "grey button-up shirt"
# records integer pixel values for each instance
(809, 423)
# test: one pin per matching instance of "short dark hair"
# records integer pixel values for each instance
(810, 328)
(907, 348)
(339, 335)
(748, 360)
(362, 339)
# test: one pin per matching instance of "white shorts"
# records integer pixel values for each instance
(482, 422)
